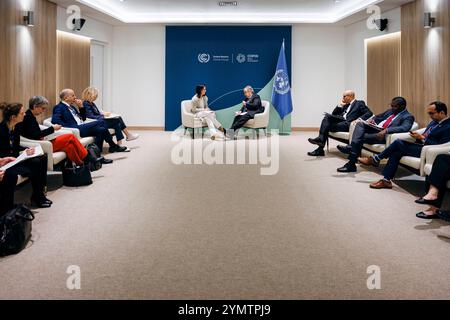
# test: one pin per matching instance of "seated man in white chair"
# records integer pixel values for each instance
(250, 107)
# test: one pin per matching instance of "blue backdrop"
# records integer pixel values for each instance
(226, 59)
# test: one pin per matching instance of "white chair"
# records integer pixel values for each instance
(188, 120)
(84, 141)
(53, 158)
(431, 157)
(261, 120)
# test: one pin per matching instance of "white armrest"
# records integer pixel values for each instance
(428, 149)
(432, 153)
(47, 147)
(75, 131)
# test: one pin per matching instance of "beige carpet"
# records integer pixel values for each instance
(150, 229)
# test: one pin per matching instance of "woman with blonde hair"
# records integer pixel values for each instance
(89, 95)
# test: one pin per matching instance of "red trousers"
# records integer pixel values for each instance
(71, 146)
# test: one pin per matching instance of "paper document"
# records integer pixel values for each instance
(112, 116)
(23, 156)
(374, 126)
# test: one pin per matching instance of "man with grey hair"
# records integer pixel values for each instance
(250, 106)
(69, 116)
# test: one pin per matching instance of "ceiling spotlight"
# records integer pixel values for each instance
(429, 21)
(28, 18)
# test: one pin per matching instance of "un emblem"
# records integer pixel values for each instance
(204, 58)
(281, 84)
(240, 58)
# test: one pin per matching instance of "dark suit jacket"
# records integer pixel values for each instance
(358, 110)
(403, 122)
(440, 134)
(253, 105)
(63, 116)
(30, 129)
(6, 150)
(92, 111)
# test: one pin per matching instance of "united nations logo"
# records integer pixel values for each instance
(204, 58)
(281, 84)
(240, 58)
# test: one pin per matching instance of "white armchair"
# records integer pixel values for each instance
(84, 141)
(188, 119)
(53, 158)
(261, 120)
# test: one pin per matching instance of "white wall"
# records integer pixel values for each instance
(138, 74)
(318, 72)
(355, 34)
(101, 33)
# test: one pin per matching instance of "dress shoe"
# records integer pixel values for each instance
(106, 161)
(423, 215)
(344, 149)
(381, 184)
(40, 202)
(118, 148)
(444, 215)
(347, 168)
(434, 203)
(368, 161)
(317, 153)
(317, 141)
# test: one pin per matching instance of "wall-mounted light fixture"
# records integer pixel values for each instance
(429, 21)
(28, 18)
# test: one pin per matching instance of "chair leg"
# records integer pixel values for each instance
(185, 129)
(265, 131)
(193, 133)
(328, 144)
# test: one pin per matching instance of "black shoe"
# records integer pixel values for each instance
(106, 161)
(118, 148)
(344, 149)
(317, 153)
(347, 168)
(317, 141)
(434, 203)
(41, 202)
(444, 215)
(423, 215)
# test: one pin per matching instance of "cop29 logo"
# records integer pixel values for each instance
(281, 84)
(204, 58)
(240, 58)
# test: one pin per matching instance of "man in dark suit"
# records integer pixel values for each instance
(342, 116)
(250, 106)
(437, 132)
(395, 120)
(66, 115)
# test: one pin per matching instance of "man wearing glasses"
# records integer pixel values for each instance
(437, 132)
(395, 120)
(343, 115)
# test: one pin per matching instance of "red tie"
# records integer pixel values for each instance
(388, 121)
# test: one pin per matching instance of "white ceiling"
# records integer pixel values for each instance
(247, 11)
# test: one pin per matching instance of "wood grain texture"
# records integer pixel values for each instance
(425, 56)
(383, 71)
(73, 62)
(28, 54)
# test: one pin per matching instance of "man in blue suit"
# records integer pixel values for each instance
(437, 132)
(66, 115)
(395, 120)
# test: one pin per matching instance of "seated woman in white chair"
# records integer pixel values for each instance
(201, 111)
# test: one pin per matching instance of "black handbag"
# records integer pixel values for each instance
(95, 153)
(15, 230)
(76, 176)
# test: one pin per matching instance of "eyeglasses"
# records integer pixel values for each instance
(431, 113)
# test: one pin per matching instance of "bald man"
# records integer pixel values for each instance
(343, 115)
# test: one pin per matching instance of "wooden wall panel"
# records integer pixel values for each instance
(28, 54)
(383, 71)
(73, 61)
(425, 56)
